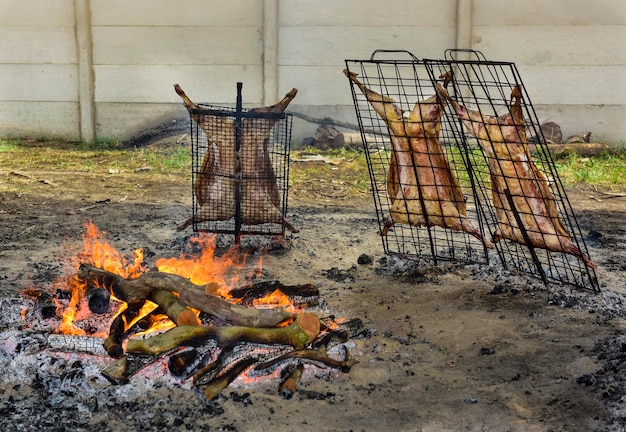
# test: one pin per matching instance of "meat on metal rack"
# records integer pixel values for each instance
(240, 167)
(448, 144)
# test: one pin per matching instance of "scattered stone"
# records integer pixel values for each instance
(486, 351)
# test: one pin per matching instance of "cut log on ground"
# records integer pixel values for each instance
(580, 149)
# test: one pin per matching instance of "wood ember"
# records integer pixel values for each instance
(291, 376)
(85, 344)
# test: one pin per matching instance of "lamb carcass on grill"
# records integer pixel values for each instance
(422, 189)
(216, 183)
(504, 142)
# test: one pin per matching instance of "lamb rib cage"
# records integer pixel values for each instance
(534, 233)
(240, 169)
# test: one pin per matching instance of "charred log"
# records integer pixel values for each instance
(136, 291)
(290, 376)
(298, 334)
(76, 343)
(213, 388)
(306, 294)
(98, 299)
(312, 355)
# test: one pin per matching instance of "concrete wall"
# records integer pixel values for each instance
(81, 69)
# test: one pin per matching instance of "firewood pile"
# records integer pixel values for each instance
(212, 341)
(187, 314)
(452, 171)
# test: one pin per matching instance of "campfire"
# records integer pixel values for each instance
(191, 314)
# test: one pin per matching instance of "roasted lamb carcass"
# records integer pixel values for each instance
(504, 142)
(216, 182)
(422, 189)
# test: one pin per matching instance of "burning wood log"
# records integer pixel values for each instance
(226, 171)
(113, 343)
(136, 291)
(178, 364)
(98, 299)
(213, 388)
(313, 355)
(305, 294)
(298, 334)
(170, 305)
(291, 376)
(76, 343)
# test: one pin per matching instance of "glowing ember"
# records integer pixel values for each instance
(275, 299)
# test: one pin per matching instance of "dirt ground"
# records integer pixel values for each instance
(444, 351)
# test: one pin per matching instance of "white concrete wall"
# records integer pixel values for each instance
(143, 47)
(38, 75)
(571, 55)
(112, 74)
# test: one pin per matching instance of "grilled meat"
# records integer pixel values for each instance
(422, 189)
(216, 182)
(504, 142)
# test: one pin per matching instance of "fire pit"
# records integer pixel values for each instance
(186, 319)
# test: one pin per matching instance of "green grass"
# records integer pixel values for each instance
(99, 157)
(350, 167)
(608, 170)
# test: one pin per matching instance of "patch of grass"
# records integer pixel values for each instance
(608, 170)
(99, 157)
(340, 166)
(8, 145)
(347, 167)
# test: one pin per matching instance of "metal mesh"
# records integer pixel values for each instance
(425, 201)
(240, 170)
(514, 172)
(492, 141)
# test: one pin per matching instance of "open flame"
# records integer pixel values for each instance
(99, 253)
(220, 272)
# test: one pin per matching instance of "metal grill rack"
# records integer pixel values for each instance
(408, 184)
(539, 233)
(513, 198)
(240, 169)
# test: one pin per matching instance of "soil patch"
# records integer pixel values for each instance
(447, 348)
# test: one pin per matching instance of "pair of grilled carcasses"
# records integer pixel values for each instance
(423, 190)
(222, 167)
